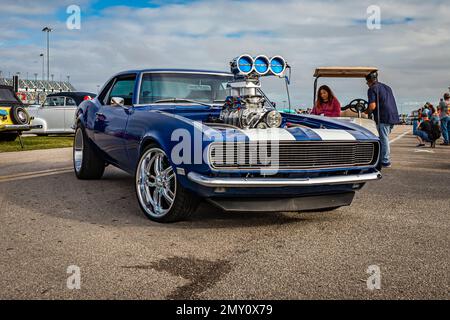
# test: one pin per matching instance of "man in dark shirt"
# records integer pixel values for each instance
(384, 108)
(424, 132)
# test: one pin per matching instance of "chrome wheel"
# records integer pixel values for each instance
(23, 117)
(78, 150)
(155, 183)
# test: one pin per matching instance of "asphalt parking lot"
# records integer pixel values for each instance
(49, 220)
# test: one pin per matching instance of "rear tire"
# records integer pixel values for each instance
(161, 197)
(87, 164)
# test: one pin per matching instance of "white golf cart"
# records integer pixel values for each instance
(355, 110)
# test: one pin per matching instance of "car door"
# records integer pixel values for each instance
(111, 119)
(69, 114)
(52, 112)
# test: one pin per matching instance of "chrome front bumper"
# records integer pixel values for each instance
(215, 182)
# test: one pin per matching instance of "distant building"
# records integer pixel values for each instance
(35, 91)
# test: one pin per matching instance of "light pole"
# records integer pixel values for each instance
(48, 30)
(43, 74)
(35, 76)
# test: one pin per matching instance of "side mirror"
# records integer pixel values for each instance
(117, 101)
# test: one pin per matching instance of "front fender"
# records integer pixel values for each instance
(39, 121)
(172, 133)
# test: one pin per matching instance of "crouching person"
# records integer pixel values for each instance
(424, 132)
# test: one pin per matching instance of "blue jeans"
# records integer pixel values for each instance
(445, 126)
(384, 130)
(423, 135)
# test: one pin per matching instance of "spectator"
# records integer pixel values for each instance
(426, 108)
(434, 116)
(417, 120)
(327, 104)
(444, 115)
(424, 132)
(382, 104)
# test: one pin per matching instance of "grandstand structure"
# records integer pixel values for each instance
(35, 91)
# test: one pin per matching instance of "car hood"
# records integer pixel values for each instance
(284, 134)
(313, 129)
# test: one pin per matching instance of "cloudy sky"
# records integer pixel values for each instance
(412, 48)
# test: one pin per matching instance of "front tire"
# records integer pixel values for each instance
(161, 197)
(87, 163)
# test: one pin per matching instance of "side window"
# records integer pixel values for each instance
(123, 88)
(102, 96)
(70, 102)
(54, 102)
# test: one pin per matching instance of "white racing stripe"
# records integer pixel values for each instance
(269, 134)
(334, 134)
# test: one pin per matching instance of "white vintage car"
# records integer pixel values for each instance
(57, 113)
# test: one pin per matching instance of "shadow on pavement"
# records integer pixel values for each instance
(111, 201)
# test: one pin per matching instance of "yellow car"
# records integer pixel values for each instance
(14, 119)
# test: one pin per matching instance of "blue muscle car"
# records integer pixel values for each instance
(188, 135)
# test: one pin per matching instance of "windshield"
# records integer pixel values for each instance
(208, 88)
(7, 95)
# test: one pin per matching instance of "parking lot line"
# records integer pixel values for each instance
(34, 174)
(400, 136)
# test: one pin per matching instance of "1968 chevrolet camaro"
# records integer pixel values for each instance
(188, 135)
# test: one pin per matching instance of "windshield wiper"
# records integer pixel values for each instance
(174, 100)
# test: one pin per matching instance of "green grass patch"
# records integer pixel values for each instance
(36, 143)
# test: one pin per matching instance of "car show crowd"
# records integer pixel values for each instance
(432, 123)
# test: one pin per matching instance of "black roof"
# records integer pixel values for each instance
(8, 96)
(78, 96)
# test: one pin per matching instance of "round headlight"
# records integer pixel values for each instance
(273, 119)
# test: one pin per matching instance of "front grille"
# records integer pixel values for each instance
(292, 155)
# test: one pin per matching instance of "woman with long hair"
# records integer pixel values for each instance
(327, 104)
